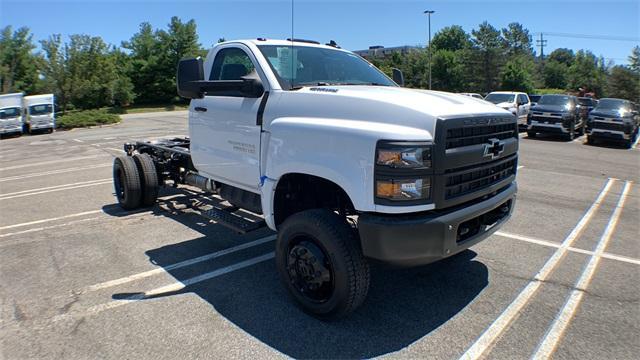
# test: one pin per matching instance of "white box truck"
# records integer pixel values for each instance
(39, 114)
(11, 114)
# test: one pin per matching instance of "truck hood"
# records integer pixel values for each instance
(407, 108)
(608, 113)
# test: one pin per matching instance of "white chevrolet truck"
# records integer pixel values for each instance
(346, 165)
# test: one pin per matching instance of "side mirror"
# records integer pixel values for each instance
(191, 84)
(398, 77)
(190, 72)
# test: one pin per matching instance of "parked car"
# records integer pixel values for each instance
(556, 114)
(534, 99)
(11, 113)
(428, 174)
(516, 103)
(615, 120)
(39, 113)
(473, 95)
(585, 105)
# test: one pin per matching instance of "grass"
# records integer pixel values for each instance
(86, 118)
(549, 91)
(136, 109)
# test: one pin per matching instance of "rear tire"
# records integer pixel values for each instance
(148, 179)
(320, 262)
(531, 134)
(126, 181)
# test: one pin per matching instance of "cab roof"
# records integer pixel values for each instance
(278, 42)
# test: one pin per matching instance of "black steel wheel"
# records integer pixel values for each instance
(320, 262)
(148, 178)
(126, 182)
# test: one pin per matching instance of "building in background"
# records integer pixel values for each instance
(378, 51)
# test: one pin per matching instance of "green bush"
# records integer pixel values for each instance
(549, 91)
(86, 118)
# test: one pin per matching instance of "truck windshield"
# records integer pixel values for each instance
(41, 109)
(553, 100)
(500, 98)
(316, 66)
(7, 113)
(612, 104)
(585, 101)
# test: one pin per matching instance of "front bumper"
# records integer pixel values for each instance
(418, 239)
(41, 125)
(553, 128)
(10, 128)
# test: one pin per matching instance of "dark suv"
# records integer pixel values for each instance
(556, 114)
(613, 119)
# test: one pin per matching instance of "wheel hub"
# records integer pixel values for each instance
(309, 271)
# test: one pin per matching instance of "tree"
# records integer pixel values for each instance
(517, 40)
(634, 60)
(54, 70)
(179, 41)
(624, 83)
(451, 38)
(143, 68)
(448, 71)
(586, 73)
(18, 64)
(555, 75)
(487, 44)
(516, 76)
(562, 56)
(85, 72)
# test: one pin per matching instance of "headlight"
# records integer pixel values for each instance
(405, 189)
(407, 156)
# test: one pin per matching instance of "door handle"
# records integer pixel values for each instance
(200, 109)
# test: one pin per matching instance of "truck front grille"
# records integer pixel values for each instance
(473, 135)
(608, 126)
(462, 181)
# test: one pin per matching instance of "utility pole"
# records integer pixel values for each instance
(542, 43)
(429, 12)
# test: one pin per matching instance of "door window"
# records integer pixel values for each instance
(231, 64)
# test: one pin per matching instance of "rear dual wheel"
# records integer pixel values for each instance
(135, 181)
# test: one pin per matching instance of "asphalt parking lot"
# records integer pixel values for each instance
(81, 278)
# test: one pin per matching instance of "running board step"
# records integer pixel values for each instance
(237, 223)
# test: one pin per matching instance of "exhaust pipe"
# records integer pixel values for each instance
(200, 181)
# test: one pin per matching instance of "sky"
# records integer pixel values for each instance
(354, 25)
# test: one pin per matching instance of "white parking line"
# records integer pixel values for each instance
(562, 320)
(181, 264)
(493, 332)
(635, 143)
(51, 219)
(53, 172)
(54, 188)
(51, 162)
(531, 240)
(176, 286)
(520, 167)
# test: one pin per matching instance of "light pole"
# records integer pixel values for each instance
(429, 12)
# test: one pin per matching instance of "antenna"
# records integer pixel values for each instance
(291, 55)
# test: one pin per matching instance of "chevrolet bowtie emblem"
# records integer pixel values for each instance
(494, 148)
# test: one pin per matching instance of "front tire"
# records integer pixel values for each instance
(531, 134)
(126, 181)
(320, 262)
(572, 132)
(590, 140)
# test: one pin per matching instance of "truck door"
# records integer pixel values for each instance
(225, 138)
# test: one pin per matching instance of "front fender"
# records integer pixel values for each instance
(338, 150)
